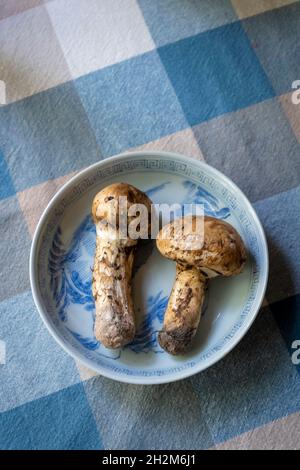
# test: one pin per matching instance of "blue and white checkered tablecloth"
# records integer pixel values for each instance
(211, 79)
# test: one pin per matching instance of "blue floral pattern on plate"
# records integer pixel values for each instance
(198, 195)
(68, 288)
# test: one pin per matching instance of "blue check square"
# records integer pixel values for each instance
(215, 72)
(6, 184)
(276, 35)
(62, 420)
(130, 103)
(171, 20)
(45, 136)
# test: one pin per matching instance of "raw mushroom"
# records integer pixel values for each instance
(222, 253)
(115, 319)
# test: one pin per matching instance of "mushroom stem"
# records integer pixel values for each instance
(115, 321)
(183, 312)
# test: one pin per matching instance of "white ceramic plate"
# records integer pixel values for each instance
(62, 257)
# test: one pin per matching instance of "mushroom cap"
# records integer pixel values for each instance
(107, 207)
(221, 252)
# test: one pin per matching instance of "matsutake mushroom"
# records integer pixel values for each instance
(221, 253)
(112, 273)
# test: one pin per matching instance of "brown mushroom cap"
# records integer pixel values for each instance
(222, 252)
(100, 207)
(109, 198)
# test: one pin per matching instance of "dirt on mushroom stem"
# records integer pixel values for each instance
(113, 262)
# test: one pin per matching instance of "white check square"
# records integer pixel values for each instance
(31, 57)
(96, 34)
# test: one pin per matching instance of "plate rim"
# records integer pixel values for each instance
(143, 380)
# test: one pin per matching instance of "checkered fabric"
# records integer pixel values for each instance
(211, 79)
